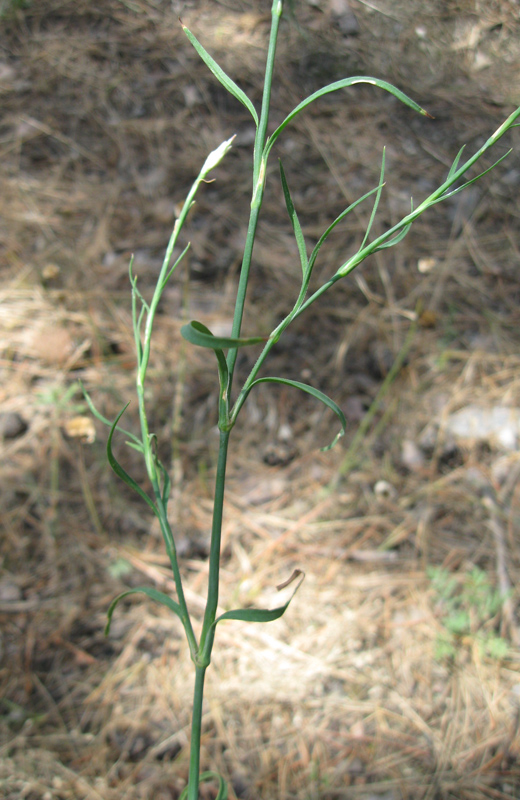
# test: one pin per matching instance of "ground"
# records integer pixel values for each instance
(396, 671)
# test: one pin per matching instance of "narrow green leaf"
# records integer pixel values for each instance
(133, 283)
(136, 443)
(197, 333)
(174, 267)
(153, 594)
(194, 331)
(220, 75)
(331, 227)
(343, 84)
(139, 447)
(453, 168)
(261, 614)
(165, 493)
(295, 222)
(473, 180)
(118, 469)
(377, 199)
(318, 395)
(397, 238)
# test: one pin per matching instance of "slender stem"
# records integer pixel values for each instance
(259, 169)
(196, 729)
(171, 550)
(261, 133)
(206, 637)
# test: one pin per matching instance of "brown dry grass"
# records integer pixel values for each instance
(106, 117)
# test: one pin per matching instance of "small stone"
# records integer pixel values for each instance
(9, 591)
(384, 490)
(12, 425)
(426, 265)
(344, 17)
(412, 456)
(348, 24)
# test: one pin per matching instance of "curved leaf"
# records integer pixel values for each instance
(220, 75)
(153, 594)
(261, 614)
(324, 236)
(318, 395)
(343, 84)
(397, 238)
(197, 333)
(136, 443)
(295, 222)
(118, 469)
(192, 333)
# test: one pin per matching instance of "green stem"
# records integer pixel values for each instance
(206, 637)
(171, 550)
(259, 169)
(208, 628)
(196, 730)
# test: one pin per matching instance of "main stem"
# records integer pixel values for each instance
(259, 168)
(208, 625)
(208, 628)
(196, 730)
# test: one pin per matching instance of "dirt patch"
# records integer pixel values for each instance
(366, 689)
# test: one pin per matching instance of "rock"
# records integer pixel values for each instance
(12, 425)
(384, 490)
(498, 426)
(412, 456)
(9, 591)
(344, 17)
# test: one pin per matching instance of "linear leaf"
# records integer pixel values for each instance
(174, 266)
(295, 222)
(453, 168)
(473, 180)
(165, 493)
(153, 594)
(136, 443)
(220, 75)
(377, 199)
(264, 614)
(318, 395)
(343, 84)
(197, 333)
(397, 238)
(118, 469)
(331, 227)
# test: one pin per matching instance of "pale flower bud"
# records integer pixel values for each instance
(216, 156)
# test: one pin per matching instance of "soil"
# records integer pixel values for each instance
(395, 674)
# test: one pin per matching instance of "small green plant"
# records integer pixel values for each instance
(467, 609)
(231, 399)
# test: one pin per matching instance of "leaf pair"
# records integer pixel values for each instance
(199, 334)
(240, 95)
(242, 614)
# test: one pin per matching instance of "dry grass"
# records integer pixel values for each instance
(106, 118)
